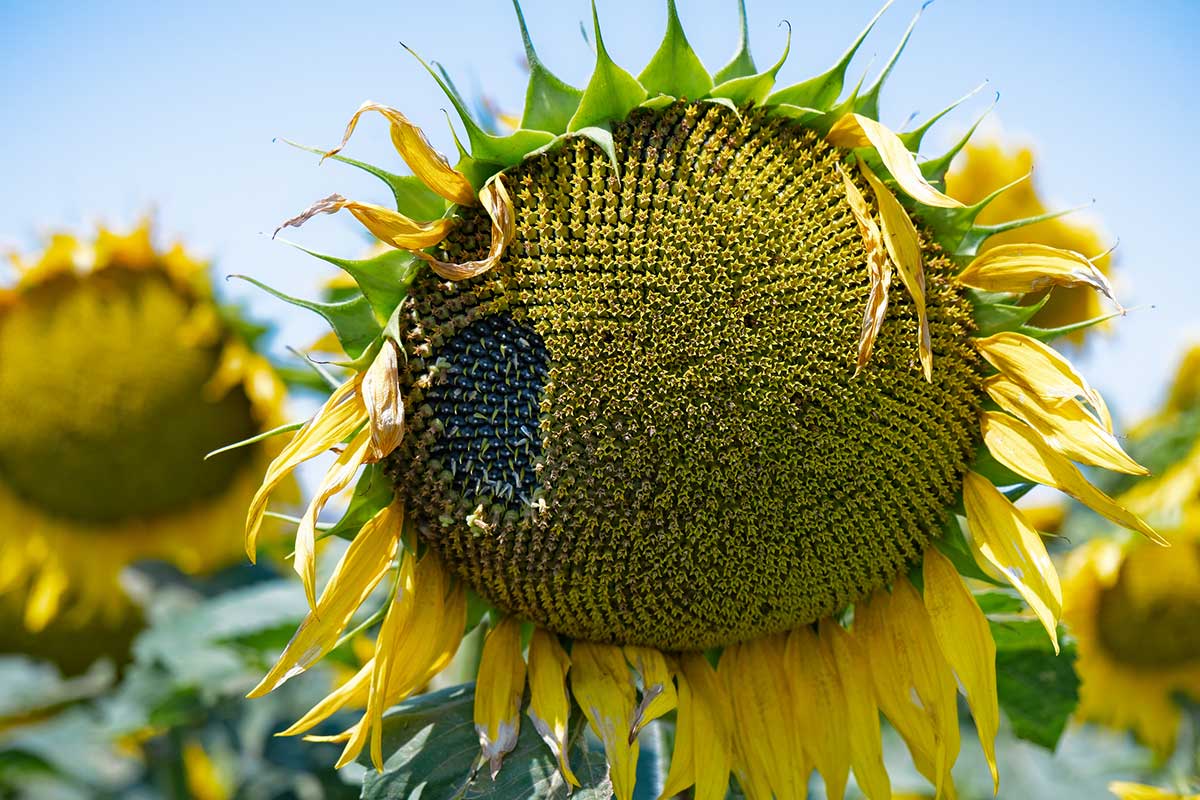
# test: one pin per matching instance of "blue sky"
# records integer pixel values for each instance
(116, 108)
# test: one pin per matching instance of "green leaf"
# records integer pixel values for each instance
(35, 686)
(549, 102)
(1004, 603)
(742, 63)
(413, 198)
(371, 494)
(953, 545)
(353, 321)
(753, 88)
(611, 92)
(822, 91)
(1038, 690)
(675, 69)
(384, 279)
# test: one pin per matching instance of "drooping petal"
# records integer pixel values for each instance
(385, 406)
(904, 246)
(879, 271)
(966, 641)
(658, 690)
(1042, 370)
(389, 227)
(604, 690)
(821, 707)
(496, 201)
(1002, 536)
(341, 415)
(359, 571)
(862, 714)
(703, 754)
(498, 691)
(855, 130)
(549, 707)
(1028, 267)
(1021, 449)
(1067, 427)
(426, 163)
(352, 693)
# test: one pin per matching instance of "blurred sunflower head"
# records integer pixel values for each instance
(637, 376)
(118, 373)
(991, 167)
(1135, 610)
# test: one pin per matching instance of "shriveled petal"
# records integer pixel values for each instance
(389, 227)
(385, 406)
(604, 690)
(1067, 427)
(1021, 449)
(879, 271)
(549, 707)
(862, 714)
(1042, 370)
(359, 571)
(855, 130)
(498, 690)
(703, 754)
(821, 708)
(426, 163)
(1029, 267)
(966, 641)
(1002, 537)
(496, 201)
(341, 415)
(658, 690)
(904, 246)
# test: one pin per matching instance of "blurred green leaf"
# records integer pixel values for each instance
(1038, 689)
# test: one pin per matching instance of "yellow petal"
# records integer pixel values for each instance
(768, 754)
(1029, 267)
(352, 693)
(549, 708)
(862, 714)
(602, 686)
(426, 163)
(1002, 537)
(658, 690)
(498, 690)
(682, 773)
(1018, 447)
(707, 724)
(1042, 370)
(1126, 790)
(855, 130)
(966, 641)
(821, 708)
(879, 271)
(389, 227)
(388, 650)
(499, 206)
(339, 476)
(1067, 427)
(385, 406)
(904, 246)
(341, 415)
(360, 569)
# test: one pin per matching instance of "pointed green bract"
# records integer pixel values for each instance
(974, 238)
(383, 279)
(993, 317)
(611, 92)
(549, 102)
(868, 103)
(601, 136)
(353, 321)
(742, 63)
(371, 494)
(912, 139)
(935, 169)
(954, 226)
(753, 88)
(1050, 334)
(675, 69)
(287, 428)
(823, 90)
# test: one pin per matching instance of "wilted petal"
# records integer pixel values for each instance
(352, 693)
(602, 686)
(1021, 449)
(495, 199)
(498, 690)
(385, 406)
(658, 690)
(389, 227)
(1028, 267)
(879, 271)
(855, 130)
(703, 754)
(549, 708)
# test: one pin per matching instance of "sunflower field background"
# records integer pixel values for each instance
(697, 414)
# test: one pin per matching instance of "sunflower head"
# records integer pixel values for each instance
(119, 372)
(639, 378)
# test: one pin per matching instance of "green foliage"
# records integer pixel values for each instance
(675, 69)
(353, 321)
(549, 102)
(993, 317)
(371, 494)
(1038, 689)
(752, 88)
(383, 279)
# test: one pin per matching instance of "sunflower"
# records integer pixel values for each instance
(992, 166)
(118, 373)
(1134, 610)
(639, 379)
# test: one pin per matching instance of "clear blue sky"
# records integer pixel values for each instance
(110, 109)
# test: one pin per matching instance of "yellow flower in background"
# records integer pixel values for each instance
(1138, 791)
(637, 376)
(118, 373)
(988, 167)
